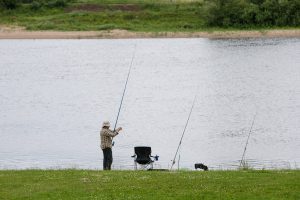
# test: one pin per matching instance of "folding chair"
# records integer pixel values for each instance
(143, 158)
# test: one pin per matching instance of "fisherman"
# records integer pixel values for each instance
(106, 136)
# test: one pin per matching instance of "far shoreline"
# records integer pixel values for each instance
(124, 34)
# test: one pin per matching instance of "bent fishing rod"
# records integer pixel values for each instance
(121, 103)
(186, 124)
(250, 131)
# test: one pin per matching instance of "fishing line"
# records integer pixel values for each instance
(250, 131)
(186, 124)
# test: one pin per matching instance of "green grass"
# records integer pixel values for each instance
(154, 17)
(86, 184)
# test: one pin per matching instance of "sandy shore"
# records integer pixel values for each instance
(18, 33)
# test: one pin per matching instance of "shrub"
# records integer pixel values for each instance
(27, 1)
(36, 5)
(9, 4)
(57, 4)
(247, 13)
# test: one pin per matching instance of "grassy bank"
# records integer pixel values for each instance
(107, 15)
(84, 184)
(131, 15)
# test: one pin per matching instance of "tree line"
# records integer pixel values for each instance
(252, 13)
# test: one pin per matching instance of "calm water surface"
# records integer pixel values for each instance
(54, 95)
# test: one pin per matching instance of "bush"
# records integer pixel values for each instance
(48, 3)
(9, 4)
(248, 13)
(36, 5)
(57, 4)
(27, 1)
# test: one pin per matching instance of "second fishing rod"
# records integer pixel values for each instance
(186, 124)
(242, 162)
(124, 90)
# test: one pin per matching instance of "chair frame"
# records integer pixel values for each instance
(146, 166)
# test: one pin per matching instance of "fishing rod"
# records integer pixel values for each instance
(125, 87)
(250, 131)
(186, 124)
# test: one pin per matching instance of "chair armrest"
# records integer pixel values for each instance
(155, 157)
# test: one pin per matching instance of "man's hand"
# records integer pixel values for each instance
(119, 129)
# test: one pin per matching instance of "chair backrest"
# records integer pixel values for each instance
(143, 154)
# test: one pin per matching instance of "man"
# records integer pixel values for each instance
(106, 136)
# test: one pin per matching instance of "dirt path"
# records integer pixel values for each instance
(19, 33)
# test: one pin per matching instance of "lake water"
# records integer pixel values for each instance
(54, 95)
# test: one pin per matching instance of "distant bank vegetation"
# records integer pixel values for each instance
(249, 13)
(34, 4)
(150, 15)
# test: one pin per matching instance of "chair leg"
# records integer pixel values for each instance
(143, 166)
(135, 165)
